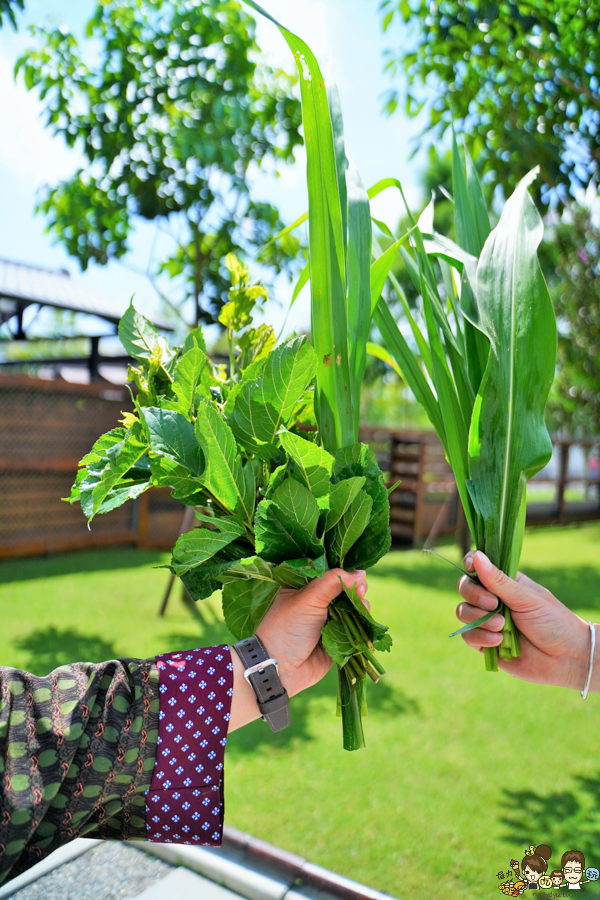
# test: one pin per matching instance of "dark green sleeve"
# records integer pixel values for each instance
(77, 752)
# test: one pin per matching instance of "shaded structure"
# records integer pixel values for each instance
(27, 287)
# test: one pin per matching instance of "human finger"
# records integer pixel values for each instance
(479, 637)
(467, 614)
(518, 597)
(321, 591)
(477, 595)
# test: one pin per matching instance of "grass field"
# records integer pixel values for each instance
(463, 769)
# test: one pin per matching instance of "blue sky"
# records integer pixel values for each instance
(348, 31)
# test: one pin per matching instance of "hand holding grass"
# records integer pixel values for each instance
(555, 642)
(291, 632)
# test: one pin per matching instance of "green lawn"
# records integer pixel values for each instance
(463, 769)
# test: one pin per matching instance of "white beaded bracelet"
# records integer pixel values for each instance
(584, 692)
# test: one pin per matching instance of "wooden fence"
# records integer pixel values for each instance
(47, 426)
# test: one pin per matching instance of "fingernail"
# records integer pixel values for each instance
(469, 565)
(362, 590)
(483, 561)
(495, 640)
(487, 601)
(359, 572)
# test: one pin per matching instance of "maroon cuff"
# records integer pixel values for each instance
(185, 802)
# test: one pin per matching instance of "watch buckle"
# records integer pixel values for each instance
(260, 667)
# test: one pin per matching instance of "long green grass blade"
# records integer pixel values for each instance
(508, 441)
(333, 403)
(358, 259)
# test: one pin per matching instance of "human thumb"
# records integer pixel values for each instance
(516, 596)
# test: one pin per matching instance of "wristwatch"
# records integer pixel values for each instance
(262, 674)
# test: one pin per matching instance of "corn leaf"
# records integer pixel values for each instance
(508, 441)
(359, 295)
(329, 332)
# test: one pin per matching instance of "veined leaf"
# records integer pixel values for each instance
(184, 486)
(253, 479)
(351, 601)
(252, 567)
(207, 578)
(296, 500)
(349, 528)
(313, 464)
(171, 435)
(264, 405)
(196, 335)
(245, 604)
(508, 441)
(342, 495)
(222, 475)
(197, 546)
(188, 373)
(137, 334)
(376, 539)
(295, 573)
(121, 459)
(279, 537)
(336, 643)
(97, 455)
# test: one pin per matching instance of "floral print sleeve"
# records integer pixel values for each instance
(125, 750)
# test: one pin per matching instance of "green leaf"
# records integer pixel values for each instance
(349, 528)
(474, 624)
(266, 404)
(358, 260)
(296, 500)
(172, 436)
(336, 642)
(223, 475)
(137, 334)
(97, 454)
(352, 602)
(207, 578)
(326, 247)
(253, 479)
(186, 379)
(245, 604)
(295, 573)
(508, 441)
(342, 495)
(196, 336)
(121, 458)
(195, 547)
(252, 567)
(279, 537)
(184, 486)
(376, 539)
(313, 465)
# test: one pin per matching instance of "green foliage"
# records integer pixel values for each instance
(522, 78)
(169, 117)
(492, 350)
(574, 281)
(274, 509)
(8, 8)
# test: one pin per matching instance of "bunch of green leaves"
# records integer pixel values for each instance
(274, 508)
(486, 351)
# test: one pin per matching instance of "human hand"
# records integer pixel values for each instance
(555, 642)
(291, 632)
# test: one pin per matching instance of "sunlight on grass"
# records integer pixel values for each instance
(463, 768)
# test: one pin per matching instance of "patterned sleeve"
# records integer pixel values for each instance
(125, 750)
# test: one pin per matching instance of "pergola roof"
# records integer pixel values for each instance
(25, 284)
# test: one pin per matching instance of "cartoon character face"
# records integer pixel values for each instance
(573, 872)
(531, 875)
(556, 880)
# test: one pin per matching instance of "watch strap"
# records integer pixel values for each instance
(271, 696)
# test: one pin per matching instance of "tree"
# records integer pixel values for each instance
(169, 120)
(520, 77)
(575, 288)
(7, 8)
